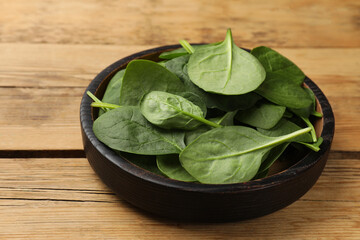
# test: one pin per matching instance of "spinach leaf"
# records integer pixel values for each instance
(274, 155)
(223, 102)
(144, 76)
(125, 129)
(170, 166)
(191, 135)
(225, 69)
(226, 120)
(230, 154)
(170, 111)
(304, 113)
(279, 90)
(263, 115)
(283, 82)
(112, 92)
(195, 99)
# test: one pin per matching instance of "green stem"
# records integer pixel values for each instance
(317, 114)
(315, 146)
(95, 99)
(313, 133)
(104, 105)
(187, 46)
(203, 120)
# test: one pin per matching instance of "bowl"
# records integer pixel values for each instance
(194, 201)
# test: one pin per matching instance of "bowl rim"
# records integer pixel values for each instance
(86, 116)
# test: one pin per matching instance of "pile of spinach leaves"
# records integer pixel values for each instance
(210, 113)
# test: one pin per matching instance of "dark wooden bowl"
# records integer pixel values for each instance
(193, 201)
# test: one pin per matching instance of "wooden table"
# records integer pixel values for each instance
(51, 50)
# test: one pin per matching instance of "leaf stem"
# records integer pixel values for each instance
(313, 133)
(95, 99)
(187, 46)
(104, 105)
(315, 146)
(317, 114)
(200, 119)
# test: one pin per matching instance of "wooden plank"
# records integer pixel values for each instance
(40, 99)
(280, 23)
(64, 199)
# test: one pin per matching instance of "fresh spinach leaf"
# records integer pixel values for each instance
(279, 90)
(170, 166)
(112, 92)
(144, 76)
(263, 115)
(230, 154)
(274, 62)
(195, 99)
(171, 111)
(223, 102)
(283, 82)
(226, 120)
(225, 69)
(274, 155)
(125, 129)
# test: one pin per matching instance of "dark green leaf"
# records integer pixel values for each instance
(125, 129)
(144, 76)
(263, 115)
(112, 92)
(170, 166)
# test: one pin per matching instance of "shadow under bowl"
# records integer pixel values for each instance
(194, 201)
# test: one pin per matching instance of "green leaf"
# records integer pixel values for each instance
(274, 155)
(125, 129)
(226, 120)
(263, 115)
(112, 92)
(225, 69)
(223, 102)
(279, 90)
(230, 154)
(283, 83)
(144, 76)
(170, 166)
(171, 111)
(274, 62)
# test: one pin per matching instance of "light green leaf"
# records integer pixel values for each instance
(230, 154)
(225, 69)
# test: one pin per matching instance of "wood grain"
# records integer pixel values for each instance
(42, 98)
(59, 198)
(280, 23)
